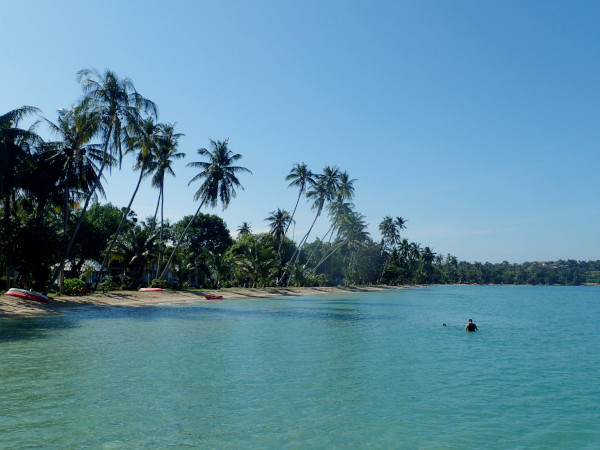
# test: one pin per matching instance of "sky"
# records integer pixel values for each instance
(476, 121)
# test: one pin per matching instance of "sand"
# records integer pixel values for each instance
(13, 307)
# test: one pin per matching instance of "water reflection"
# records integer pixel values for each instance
(35, 328)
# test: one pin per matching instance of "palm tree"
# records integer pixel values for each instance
(14, 147)
(338, 207)
(142, 136)
(400, 225)
(322, 191)
(135, 248)
(117, 104)
(388, 232)
(300, 177)
(279, 221)
(75, 154)
(166, 152)
(220, 181)
(244, 228)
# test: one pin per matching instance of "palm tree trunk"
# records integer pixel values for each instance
(296, 253)
(288, 225)
(166, 269)
(123, 218)
(328, 255)
(319, 244)
(162, 211)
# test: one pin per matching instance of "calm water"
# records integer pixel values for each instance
(370, 370)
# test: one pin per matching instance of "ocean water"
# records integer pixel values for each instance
(374, 370)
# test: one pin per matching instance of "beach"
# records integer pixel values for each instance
(13, 307)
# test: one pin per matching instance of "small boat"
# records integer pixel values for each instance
(27, 295)
(213, 297)
(150, 289)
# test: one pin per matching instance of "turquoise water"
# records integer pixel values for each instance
(370, 370)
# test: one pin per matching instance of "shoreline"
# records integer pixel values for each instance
(17, 308)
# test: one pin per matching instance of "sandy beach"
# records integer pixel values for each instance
(12, 307)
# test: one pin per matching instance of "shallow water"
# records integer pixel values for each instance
(367, 370)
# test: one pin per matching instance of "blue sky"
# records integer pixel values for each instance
(477, 121)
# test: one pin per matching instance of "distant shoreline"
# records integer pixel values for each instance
(16, 308)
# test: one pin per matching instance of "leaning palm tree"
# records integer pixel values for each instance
(116, 102)
(220, 181)
(142, 136)
(322, 190)
(300, 177)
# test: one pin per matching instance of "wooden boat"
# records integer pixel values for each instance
(213, 297)
(27, 295)
(150, 289)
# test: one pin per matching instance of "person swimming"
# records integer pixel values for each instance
(471, 326)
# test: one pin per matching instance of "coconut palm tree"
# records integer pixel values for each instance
(15, 145)
(244, 228)
(166, 153)
(117, 104)
(219, 182)
(135, 248)
(300, 176)
(77, 157)
(142, 136)
(279, 221)
(322, 190)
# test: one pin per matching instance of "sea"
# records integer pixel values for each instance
(367, 370)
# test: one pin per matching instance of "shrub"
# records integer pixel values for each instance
(163, 284)
(108, 285)
(74, 286)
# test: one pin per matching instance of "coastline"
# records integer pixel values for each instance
(16, 308)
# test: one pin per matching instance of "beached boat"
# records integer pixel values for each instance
(213, 297)
(150, 289)
(27, 295)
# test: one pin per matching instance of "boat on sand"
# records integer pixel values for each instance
(27, 295)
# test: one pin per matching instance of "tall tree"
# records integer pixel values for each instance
(244, 228)
(219, 175)
(117, 104)
(279, 222)
(15, 144)
(142, 137)
(166, 153)
(300, 176)
(78, 158)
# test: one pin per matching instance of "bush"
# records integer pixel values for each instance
(108, 285)
(74, 286)
(163, 284)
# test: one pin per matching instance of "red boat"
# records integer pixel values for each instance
(151, 289)
(213, 297)
(27, 295)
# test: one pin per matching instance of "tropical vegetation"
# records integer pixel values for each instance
(52, 221)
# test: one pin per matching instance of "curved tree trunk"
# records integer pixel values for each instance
(166, 269)
(123, 218)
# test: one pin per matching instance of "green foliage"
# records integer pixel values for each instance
(163, 284)
(108, 285)
(74, 286)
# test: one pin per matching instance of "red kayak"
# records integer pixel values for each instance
(150, 289)
(213, 297)
(27, 295)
